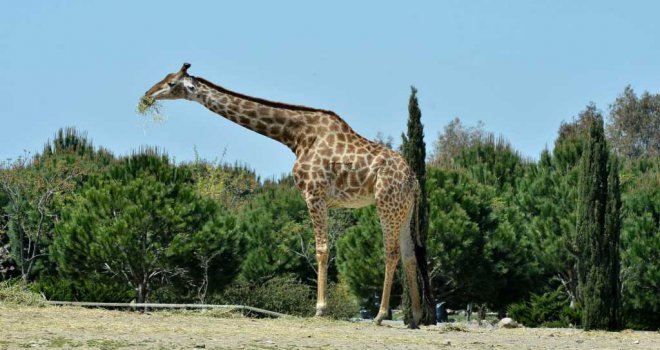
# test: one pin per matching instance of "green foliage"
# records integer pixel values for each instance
(35, 189)
(361, 261)
(277, 231)
(477, 252)
(95, 287)
(342, 305)
(550, 309)
(229, 186)
(640, 241)
(135, 221)
(598, 252)
(285, 294)
(492, 161)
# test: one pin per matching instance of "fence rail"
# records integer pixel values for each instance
(167, 306)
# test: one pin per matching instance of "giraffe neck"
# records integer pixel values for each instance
(270, 119)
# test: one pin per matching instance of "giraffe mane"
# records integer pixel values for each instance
(265, 102)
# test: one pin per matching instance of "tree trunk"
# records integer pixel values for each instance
(428, 300)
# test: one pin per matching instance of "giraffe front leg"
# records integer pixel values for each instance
(319, 214)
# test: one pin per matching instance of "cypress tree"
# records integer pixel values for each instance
(414, 151)
(612, 239)
(597, 246)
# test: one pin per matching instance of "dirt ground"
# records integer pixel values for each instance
(70, 327)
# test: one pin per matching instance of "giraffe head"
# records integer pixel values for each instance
(174, 86)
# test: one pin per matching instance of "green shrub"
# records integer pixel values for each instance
(283, 294)
(550, 309)
(94, 289)
(17, 292)
(342, 305)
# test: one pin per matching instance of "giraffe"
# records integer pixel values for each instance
(335, 167)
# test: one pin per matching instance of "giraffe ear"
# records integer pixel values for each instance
(185, 67)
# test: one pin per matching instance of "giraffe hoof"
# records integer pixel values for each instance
(320, 311)
(378, 320)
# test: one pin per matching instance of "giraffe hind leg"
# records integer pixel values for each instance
(398, 242)
(391, 262)
(410, 267)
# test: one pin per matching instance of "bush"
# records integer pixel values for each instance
(17, 292)
(342, 305)
(551, 309)
(96, 288)
(283, 294)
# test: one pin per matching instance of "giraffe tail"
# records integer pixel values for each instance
(416, 199)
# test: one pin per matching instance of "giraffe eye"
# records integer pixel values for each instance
(171, 84)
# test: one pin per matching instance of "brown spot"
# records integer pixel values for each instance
(353, 180)
(326, 152)
(279, 116)
(362, 173)
(243, 120)
(263, 111)
(250, 113)
(261, 127)
(276, 131)
(287, 137)
(330, 139)
(341, 137)
(341, 178)
(267, 120)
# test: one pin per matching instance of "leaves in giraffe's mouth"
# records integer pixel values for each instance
(148, 106)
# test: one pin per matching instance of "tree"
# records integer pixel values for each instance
(134, 222)
(36, 188)
(278, 233)
(478, 248)
(414, 151)
(229, 186)
(6, 262)
(454, 139)
(640, 240)
(595, 261)
(633, 126)
(462, 221)
(358, 253)
(612, 242)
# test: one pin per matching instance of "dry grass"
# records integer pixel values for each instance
(148, 106)
(72, 327)
(16, 292)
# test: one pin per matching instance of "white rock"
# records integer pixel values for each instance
(507, 322)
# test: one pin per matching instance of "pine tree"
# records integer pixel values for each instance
(414, 151)
(597, 251)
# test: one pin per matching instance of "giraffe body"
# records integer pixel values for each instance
(335, 168)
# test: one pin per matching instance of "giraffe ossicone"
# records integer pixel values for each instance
(335, 167)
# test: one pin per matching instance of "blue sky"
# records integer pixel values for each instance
(519, 66)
